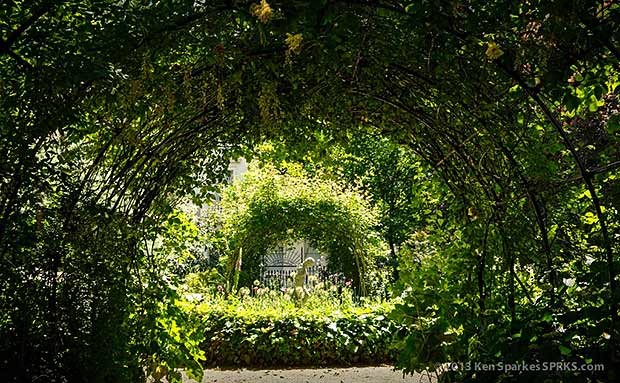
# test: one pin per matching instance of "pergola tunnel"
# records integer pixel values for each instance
(426, 183)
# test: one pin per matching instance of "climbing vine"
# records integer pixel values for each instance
(270, 207)
(112, 112)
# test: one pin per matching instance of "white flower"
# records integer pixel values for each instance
(193, 297)
(570, 282)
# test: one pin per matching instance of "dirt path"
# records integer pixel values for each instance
(324, 375)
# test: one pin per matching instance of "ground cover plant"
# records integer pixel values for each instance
(270, 329)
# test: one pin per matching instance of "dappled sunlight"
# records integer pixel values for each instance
(189, 185)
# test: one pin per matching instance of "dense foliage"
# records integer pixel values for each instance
(111, 111)
(272, 206)
(386, 173)
(270, 330)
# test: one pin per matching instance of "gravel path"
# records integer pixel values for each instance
(324, 375)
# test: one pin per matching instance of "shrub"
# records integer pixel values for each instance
(269, 330)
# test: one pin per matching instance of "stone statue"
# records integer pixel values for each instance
(301, 293)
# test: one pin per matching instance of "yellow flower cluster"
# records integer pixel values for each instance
(294, 42)
(294, 46)
(269, 104)
(262, 11)
(493, 51)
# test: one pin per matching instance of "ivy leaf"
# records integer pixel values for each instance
(571, 102)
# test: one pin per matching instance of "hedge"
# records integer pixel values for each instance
(343, 339)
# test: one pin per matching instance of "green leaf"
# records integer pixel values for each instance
(571, 102)
(565, 350)
(613, 124)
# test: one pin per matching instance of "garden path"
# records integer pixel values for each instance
(384, 374)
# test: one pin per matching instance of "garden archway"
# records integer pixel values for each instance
(110, 109)
(280, 207)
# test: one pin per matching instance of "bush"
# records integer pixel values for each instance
(270, 330)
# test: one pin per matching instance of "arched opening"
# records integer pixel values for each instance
(113, 111)
(282, 208)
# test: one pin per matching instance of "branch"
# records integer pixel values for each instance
(36, 15)
(605, 168)
(20, 60)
